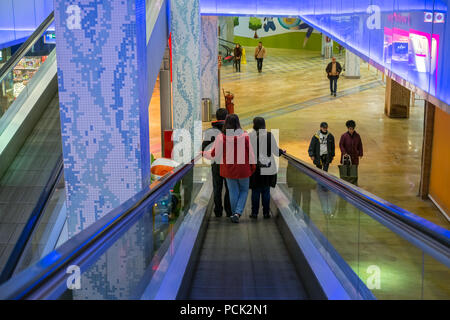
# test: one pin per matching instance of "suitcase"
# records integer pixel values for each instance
(348, 171)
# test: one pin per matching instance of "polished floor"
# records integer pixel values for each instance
(293, 95)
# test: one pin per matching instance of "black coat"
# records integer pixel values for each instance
(209, 136)
(330, 66)
(257, 179)
(314, 148)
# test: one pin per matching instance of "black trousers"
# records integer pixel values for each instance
(260, 63)
(333, 84)
(237, 64)
(218, 183)
(324, 164)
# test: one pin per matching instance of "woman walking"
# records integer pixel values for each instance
(265, 175)
(233, 151)
(237, 57)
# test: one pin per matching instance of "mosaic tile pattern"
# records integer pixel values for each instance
(209, 71)
(98, 79)
(186, 59)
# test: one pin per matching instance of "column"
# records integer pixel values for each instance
(352, 65)
(165, 91)
(186, 65)
(327, 47)
(104, 118)
(398, 99)
(427, 150)
(209, 68)
(230, 29)
(103, 93)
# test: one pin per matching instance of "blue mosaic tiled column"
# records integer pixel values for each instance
(102, 78)
(209, 53)
(186, 63)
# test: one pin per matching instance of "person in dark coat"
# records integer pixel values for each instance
(322, 148)
(218, 181)
(333, 71)
(265, 176)
(237, 57)
(351, 143)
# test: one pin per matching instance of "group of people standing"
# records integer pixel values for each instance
(260, 54)
(322, 147)
(240, 165)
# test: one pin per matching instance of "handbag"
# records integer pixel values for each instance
(348, 171)
(263, 161)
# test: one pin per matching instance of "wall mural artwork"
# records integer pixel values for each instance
(259, 27)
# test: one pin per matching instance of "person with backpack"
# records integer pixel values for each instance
(265, 175)
(233, 150)
(322, 147)
(209, 137)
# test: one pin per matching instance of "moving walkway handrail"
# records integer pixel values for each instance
(26, 46)
(32, 222)
(397, 216)
(47, 278)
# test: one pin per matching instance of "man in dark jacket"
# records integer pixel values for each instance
(237, 57)
(209, 137)
(333, 70)
(351, 143)
(321, 148)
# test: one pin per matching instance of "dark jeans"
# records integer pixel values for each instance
(324, 164)
(259, 63)
(218, 183)
(333, 84)
(237, 64)
(264, 194)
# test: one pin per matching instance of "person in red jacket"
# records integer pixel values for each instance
(351, 144)
(233, 151)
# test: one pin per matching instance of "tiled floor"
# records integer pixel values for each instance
(293, 95)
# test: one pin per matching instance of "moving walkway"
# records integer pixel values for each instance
(327, 239)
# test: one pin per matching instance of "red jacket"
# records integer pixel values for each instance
(352, 145)
(237, 164)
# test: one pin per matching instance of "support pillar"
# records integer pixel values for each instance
(427, 150)
(209, 53)
(101, 48)
(398, 99)
(186, 60)
(165, 92)
(327, 47)
(352, 65)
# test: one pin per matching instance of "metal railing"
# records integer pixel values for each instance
(26, 46)
(47, 279)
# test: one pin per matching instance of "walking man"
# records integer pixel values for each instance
(210, 136)
(333, 70)
(237, 57)
(260, 54)
(321, 148)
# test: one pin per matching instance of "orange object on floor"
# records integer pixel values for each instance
(229, 105)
